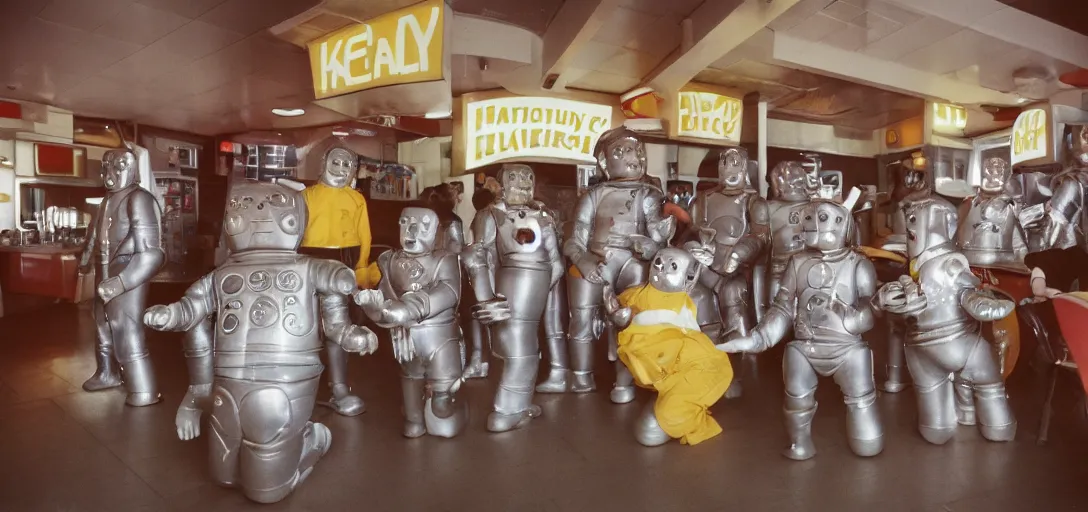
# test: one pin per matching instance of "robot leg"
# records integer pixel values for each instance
(965, 401)
(864, 430)
(936, 407)
(343, 401)
(555, 332)
(226, 439)
(478, 366)
(648, 431)
(514, 399)
(733, 298)
(995, 419)
(631, 274)
(108, 374)
(197, 344)
(413, 388)
(280, 445)
(585, 301)
(759, 290)
(125, 315)
(800, 379)
(443, 414)
(897, 378)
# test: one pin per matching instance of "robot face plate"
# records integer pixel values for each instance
(518, 184)
(418, 230)
(826, 225)
(263, 216)
(119, 169)
(526, 231)
(623, 158)
(674, 270)
(914, 179)
(995, 174)
(789, 181)
(929, 223)
(340, 167)
(733, 169)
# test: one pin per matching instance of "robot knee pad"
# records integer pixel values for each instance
(226, 439)
(863, 426)
(995, 419)
(272, 445)
(648, 431)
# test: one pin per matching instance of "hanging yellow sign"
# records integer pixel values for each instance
(404, 46)
(706, 115)
(948, 117)
(1029, 136)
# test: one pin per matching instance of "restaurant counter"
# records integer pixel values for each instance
(50, 271)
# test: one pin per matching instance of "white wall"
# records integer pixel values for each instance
(425, 156)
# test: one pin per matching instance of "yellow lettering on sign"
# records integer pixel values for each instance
(1029, 139)
(946, 117)
(404, 46)
(529, 127)
(706, 115)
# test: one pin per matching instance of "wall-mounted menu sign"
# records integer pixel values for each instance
(404, 46)
(530, 127)
(706, 115)
(1029, 137)
(950, 119)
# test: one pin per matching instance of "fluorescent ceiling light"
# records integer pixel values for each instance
(437, 115)
(288, 112)
(1023, 100)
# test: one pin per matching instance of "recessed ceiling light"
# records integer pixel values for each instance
(1023, 100)
(437, 115)
(288, 112)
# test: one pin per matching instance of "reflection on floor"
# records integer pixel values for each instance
(63, 449)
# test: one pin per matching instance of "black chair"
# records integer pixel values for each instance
(1040, 319)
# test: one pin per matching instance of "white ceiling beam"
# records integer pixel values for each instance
(717, 26)
(856, 67)
(1008, 24)
(572, 27)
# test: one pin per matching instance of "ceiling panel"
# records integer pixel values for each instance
(962, 49)
(911, 37)
(197, 39)
(662, 40)
(800, 11)
(534, 15)
(191, 9)
(681, 8)
(817, 27)
(249, 16)
(141, 24)
(1069, 14)
(630, 63)
(147, 65)
(889, 11)
(605, 82)
(82, 14)
(621, 27)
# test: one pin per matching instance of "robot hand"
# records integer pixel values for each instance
(743, 345)
(644, 246)
(192, 406)
(398, 313)
(985, 308)
(619, 315)
(359, 340)
(371, 301)
(902, 297)
(703, 253)
(733, 260)
(158, 317)
(492, 311)
(110, 288)
(590, 267)
(403, 350)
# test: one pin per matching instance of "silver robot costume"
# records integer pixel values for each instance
(825, 297)
(618, 227)
(791, 190)
(262, 367)
(944, 307)
(417, 301)
(521, 239)
(989, 233)
(125, 241)
(1064, 221)
(738, 218)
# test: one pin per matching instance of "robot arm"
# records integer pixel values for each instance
(1062, 210)
(146, 235)
(551, 244)
(978, 303)
(859, 319)
(779, 317)
(577, 247)
(333, 282)
(362, 272)
(186, 314)
(478, 258)
(414, 307)
(660, 227)
(92, 239)
(455, 237)
(619, 315)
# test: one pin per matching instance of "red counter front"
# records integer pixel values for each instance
(41, 271)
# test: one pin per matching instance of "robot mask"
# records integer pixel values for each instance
(418, 230)
(340, 167)
(264, 216)
(674, 270)
(733, 169)
(827, 226)
(119, 169)
(995, 174)
(789, 181)
(621, 155)
(518, 184)
(929, 223)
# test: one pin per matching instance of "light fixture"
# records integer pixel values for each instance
(1023, 100)
(437, 115)
(288, 112)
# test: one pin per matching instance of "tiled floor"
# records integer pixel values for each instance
(65, 450)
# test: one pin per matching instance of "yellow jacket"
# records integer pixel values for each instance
(665, 351)
(338, 218)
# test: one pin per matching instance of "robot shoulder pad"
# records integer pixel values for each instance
(954, 265)
(384, 259)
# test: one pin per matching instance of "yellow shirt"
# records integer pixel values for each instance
(337, 218)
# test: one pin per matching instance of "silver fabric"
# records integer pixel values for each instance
(944, 308)
(273, 310)
(417, 301)
(556, 320)
(125, 244)
(1064, 221)
(789, 196)
(989, 232)
(824, 297)
(528, 267)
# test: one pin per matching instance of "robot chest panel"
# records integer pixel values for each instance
(821, 282)
(786, 228)
(728, 216)
(520, 232)
(939, 285)
(618, 211)
(114, 222)
(254, 297)
(987, 226)
(409, 274)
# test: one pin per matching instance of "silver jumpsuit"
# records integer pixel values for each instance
(943, 306)
(825, 297)
(513, 295)
(989, 233)
(1065, 222)
(417, 301)
(618, 227)
(790, 192)
(274, 309)
(125, 241)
